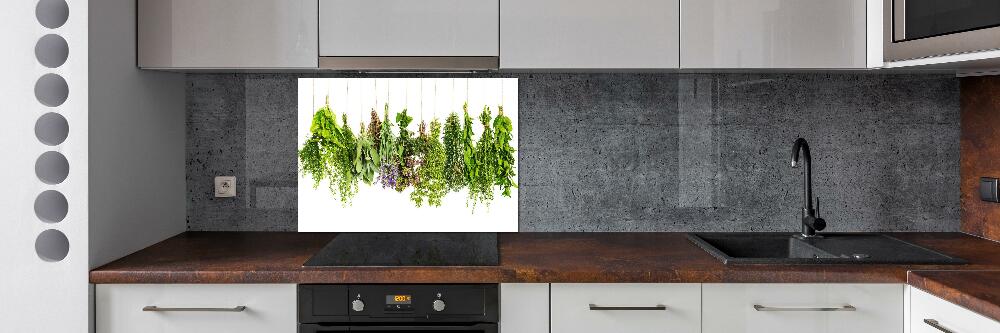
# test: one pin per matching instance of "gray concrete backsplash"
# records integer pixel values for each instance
(638, 152)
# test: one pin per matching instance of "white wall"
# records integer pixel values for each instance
(137, 186)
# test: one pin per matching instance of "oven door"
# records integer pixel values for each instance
(916, 29)
(474, 328)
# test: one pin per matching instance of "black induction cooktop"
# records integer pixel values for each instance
(408, 249)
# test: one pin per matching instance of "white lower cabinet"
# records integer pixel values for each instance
(625, 307)
(190, 308)
(802, 308)
(930, 314)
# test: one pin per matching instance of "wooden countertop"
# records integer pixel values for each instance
(974, 290)
(277, 257)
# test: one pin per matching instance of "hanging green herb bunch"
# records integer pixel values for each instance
(342, 156)
(389, 164)
(454, 153)
(468, 146)
(329, 154)
(433, 185)
(404, 149)
(483, 174)
(366, 159)
(504, 152)
(313, 154)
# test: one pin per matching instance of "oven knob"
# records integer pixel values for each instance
(438, 305)
(358, 305)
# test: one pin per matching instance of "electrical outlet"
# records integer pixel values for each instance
(225, 187)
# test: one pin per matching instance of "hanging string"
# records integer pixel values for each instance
(421, 100)
(501, 92)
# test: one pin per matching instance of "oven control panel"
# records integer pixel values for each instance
(398, 303)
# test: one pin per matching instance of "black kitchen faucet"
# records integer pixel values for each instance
(810, 221)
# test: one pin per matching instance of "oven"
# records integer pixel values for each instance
(385, 308)
(916, 29)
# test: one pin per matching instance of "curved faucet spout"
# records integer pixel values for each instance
(810, 222)
(807, 189)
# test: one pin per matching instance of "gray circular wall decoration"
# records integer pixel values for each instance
(51, 129)
(52, 13)
(52, 167)
(51, 206)
(51, 90)
(52, 245)
(51, 51)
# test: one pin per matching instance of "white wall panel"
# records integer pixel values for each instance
(37, 295)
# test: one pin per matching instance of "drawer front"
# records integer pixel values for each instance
(679, 307)
(946, 315)
(269, 308)
(524, 308)
(800, 308)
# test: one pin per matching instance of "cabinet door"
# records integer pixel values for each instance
(407, 28)
(930, 314)
(227, 33)
(625, 307)
(802, 308)
(191, 308)
(589, 34)
(773, 34)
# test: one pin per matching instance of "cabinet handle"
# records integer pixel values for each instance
(935, 324)
(595, 307)
(154, 308)
(759, 307)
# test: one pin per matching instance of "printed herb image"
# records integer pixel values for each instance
(439, 159)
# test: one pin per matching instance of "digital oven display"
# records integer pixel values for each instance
(398, 299)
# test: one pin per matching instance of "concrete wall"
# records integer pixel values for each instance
(640, 152)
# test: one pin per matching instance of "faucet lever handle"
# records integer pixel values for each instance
(817, 206)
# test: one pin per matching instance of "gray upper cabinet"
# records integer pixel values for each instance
(582, 34)
(409, 28)
(193, 34)
(774, 34)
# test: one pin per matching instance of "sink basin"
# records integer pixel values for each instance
(836, 248)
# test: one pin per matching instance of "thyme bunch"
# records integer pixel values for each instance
(454, 153)
(482, 177)
(432, 185)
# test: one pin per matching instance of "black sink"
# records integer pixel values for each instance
(835, 248)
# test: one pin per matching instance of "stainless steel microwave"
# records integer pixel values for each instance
(916, 29)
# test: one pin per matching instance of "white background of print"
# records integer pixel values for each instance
(375, 209)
